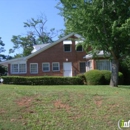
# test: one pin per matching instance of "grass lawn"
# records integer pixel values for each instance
(63, 107)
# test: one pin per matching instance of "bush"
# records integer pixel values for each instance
(42, 80)
(107, 76)
(101, 77)
(94, 77)
(120, 78)
(83, 78)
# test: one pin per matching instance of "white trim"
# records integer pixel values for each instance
(36, 68)
(58, 66)
(48, 66)
(77, 42)
(67, 42)
(11, 69)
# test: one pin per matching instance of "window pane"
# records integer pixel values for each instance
(67, 48)
(82, 67)
(56, 67)
(14, 68)
(22, 68)
(46, 67)
(103, 65)
(79, 48)
(34, 68)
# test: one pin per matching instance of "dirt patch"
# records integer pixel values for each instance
(98, 100)
(2, 111)
(59, 105)
(25, 101)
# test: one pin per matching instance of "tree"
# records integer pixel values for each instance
(37, 34)
(105, 25)
(3, 70)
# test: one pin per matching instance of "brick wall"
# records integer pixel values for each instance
(56, 54)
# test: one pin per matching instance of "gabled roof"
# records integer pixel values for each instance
(37, 47)
(40, 50)
(52, 44)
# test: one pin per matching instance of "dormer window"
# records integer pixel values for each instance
(67, 46)
(79, 48)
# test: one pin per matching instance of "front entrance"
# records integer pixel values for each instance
(67, 68)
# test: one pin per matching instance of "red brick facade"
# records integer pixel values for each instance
(56, 53)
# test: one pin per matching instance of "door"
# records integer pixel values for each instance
(67, 68)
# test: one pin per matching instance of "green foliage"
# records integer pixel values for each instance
(94, 77)
(125, 69)
(82, 77)
(101, 77)
(107, 76)
(42, 80)
(36, 34)
(104, 24)
(120, 78)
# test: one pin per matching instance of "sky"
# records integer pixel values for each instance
(13, 13)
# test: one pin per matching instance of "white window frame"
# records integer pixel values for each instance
(12, 69)
(22, 68)
(58, 66)
(36, 68)
(48, 66)
(18, 72)
(70, 47)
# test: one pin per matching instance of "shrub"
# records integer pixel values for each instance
(94, 77)
(83, 78)
(120, 78)
(101, 77)
(42, 80)
(107, 76)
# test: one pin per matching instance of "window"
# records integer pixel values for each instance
(18, 68)
(33, 68)
(22, 68)
(79, 48)
(89, 65)
(103, 64)
(15, 68)
(67, 48)
(46, 67)
(55, 66)
(82, 67)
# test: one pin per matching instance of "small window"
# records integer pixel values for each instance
(79, 48)
(82, 67)
(33, 68)
(56, 66)
(46, 67)
(14, 68)
(22, 68)
(67, 48)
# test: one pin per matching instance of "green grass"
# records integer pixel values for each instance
(63, 107)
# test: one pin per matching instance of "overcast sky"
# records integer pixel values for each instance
(14, 12)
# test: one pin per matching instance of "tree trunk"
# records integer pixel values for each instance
(114, 74)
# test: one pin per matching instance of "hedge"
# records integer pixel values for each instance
(101, 77)
(42, 80)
